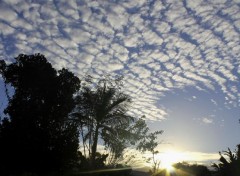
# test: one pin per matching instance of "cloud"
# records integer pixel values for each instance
(214, 102)
(158, 46)
(114, 67)
(7, 13)
(201, 157)
(207, 120)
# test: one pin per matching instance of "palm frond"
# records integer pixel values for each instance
(231, 156)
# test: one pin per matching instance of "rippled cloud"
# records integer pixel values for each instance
(157, 45)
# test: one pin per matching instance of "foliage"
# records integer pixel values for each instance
(48, 114)
(36, 135)
(102, 115)
(193, 169)
(150, 143)
(229, 166)
(128, 158)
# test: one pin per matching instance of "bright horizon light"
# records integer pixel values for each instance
(170, 157)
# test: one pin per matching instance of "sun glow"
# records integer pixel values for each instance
(168, 158)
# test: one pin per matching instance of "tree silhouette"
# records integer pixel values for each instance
(36, 135)
(192, 169)
(229, 166)
(150, 143)
(102, 112)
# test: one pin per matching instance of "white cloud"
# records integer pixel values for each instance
(67, 9)
(120, 52)
(114, 67)
(12, 2)
(202, 157)
(157, 48)
(132, 40)
(132, 4)
(207, 120)
(143, 72)
(162, 27)
(7, 14)
(117, 17)
(77, 35)
(214, 102)
(65, 42)
(152, 38)
(6, 29)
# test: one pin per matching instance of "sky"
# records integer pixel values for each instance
(180, 59)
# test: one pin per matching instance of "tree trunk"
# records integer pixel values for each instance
(94, 148)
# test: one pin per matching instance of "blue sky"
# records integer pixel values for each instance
(180, 59)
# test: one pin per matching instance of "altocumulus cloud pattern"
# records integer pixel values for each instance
(158, 45)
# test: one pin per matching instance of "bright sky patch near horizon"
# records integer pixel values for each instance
(180, 59)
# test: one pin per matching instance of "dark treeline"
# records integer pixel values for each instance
(36, 134)
(53, 115)
(228, 165)
(54, 122)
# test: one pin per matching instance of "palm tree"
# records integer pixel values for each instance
(230, 165)
(102, 112)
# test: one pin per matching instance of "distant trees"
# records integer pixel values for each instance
(230, 165)
(36, 135)
(192, 169)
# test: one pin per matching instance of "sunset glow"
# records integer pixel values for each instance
(168, 158)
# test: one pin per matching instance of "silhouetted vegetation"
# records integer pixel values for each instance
(52, 116)
(192, 169)
(230, 165)
(150, 143)
(102, 114)
(36, 135)
(48, 114)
